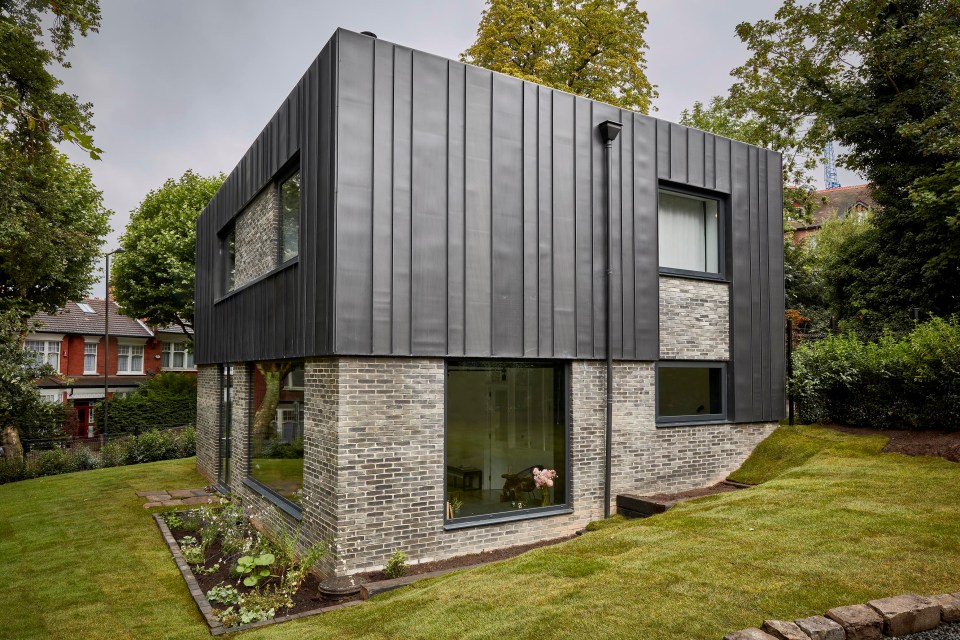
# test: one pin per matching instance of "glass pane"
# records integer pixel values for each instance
(165, 359)
(690, 391)
(190, 364)
(226, 420)
(290, 217)
(178, 359)
(123, 362)
(276, 435)
(90, 356)
(136, 362)
(689, 233)
(505, 437)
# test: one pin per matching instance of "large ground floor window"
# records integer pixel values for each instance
(276, 431)
(506, 437)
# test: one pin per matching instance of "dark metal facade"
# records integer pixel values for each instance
(452, 211)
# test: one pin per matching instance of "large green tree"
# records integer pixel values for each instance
(593, 48)
(883, 78)
(154, 277)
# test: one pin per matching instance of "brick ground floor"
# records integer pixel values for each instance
(379, 465)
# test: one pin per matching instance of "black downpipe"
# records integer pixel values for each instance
(609, 131)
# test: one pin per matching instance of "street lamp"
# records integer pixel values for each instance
(106, 343)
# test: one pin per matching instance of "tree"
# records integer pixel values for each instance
(592, 48)
(154, 277)
(883, 78)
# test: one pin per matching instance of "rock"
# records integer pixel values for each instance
(859, 621)
(784, 630)
(949, 605)
(820, 628)
(906, 614)
(749, 634)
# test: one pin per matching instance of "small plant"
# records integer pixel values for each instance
(188, 541)
(207, 571)
(193, 555)
(396, 565)
(254, 569)
(224, 594)
(173, 520)
(191, 520)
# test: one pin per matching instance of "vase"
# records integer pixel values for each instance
(546, 497)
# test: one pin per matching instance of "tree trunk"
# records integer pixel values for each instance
(273, 374)
(10, 441)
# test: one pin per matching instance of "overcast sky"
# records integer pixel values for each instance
(188, 84)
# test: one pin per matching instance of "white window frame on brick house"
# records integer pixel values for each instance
(91, 347)
(127, 350)
(169, 352)
(692, 419)
(711, 238)
(46, 349)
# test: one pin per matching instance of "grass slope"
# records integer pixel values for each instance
(837, 522)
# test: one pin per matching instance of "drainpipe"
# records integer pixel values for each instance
(609, 131)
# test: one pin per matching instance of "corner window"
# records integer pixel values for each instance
(276, 431)
(90, 357)
(289, 233)
(691, 391)
(506, 438)
(690, 233)
(129, 359)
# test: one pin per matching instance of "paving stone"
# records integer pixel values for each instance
(949, 605)
(784, 630)
(181, 493)
(749, 634)
(906, 614)
(170, 503)
(198, 500)
(820, 628)
(859, 621)
(200, 492)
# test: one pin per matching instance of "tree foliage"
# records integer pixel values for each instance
(154, 277)
(592, 48)
(883, 78)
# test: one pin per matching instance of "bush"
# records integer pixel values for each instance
(396, 565)
(911, 382)
(167, 399)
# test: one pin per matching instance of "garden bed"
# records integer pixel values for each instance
(941, 444)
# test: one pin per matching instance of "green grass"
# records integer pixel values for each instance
(837, 522)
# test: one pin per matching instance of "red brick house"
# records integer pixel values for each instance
(839, 202)
(72, 342)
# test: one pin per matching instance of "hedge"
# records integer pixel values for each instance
(166, 400)
(910, 382)
(148, 447)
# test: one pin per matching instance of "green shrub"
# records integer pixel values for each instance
(912, 382)
(396, 565)
(167, 399)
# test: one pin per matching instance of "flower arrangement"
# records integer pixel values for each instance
(543, 478)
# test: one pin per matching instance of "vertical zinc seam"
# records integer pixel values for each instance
(490, 217)
(373, 189)
(410, 222)
(446, 235)
(576, 306)
(393, 177)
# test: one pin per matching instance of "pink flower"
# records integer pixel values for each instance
(543, 478)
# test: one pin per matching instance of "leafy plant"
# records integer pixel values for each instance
(254, 569)
(224, 594)
(193, 555)
(173, 520)
(396, 565)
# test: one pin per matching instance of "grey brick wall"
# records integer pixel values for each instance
(208, 417)
(255, 237)
(694, 319)
(374, 474)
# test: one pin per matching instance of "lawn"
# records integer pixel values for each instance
(836, 522)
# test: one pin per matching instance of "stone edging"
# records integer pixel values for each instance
(894, 617)
(216, 627)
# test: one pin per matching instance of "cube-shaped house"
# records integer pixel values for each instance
(403, 319)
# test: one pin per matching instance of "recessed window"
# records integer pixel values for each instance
(176, 355)
(129, 358)
(289, 233)
(689, 233)
(506, 438)
(691, 392)
(90, 357)
(228, 254)
(276, 432)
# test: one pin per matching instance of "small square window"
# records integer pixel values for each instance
(691, 391)
(690, 232)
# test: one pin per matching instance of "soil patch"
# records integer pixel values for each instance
(941, 444)
(462, 561)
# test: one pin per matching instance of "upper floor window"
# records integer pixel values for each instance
(45, 352)
(690, 233)
(129, 358)
(90, 357)
(289, 232)
(176, 355)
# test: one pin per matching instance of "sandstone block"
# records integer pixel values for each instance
(906, 614)
(749, 634)
(949, 605)
(859, 621)
(784, 630)
(820, 628)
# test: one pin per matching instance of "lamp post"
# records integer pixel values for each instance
(106, 343)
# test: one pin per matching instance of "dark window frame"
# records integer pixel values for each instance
(722, 232)
(689, 420)
(520, 514)
(292, 168)
(227, 263)
(290, 508)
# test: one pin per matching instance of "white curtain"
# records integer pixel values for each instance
(688, 233)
